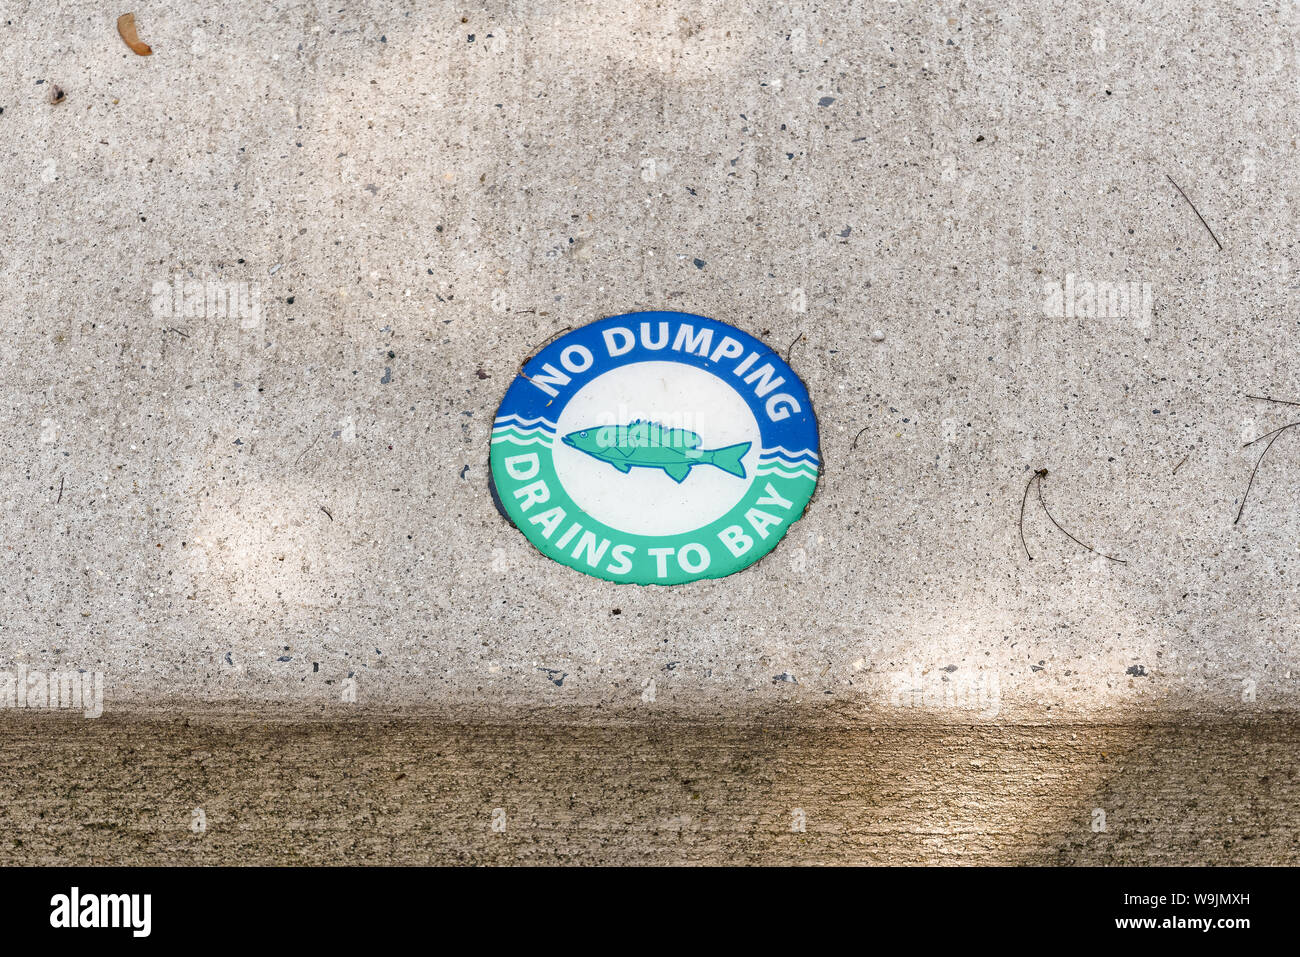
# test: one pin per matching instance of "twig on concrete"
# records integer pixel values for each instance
(1272, 437)
(327, 513)
(1038, 476)
(60, 498)
(1039, 473)
(791, 346)
(1180, 464)
(1269, 398)
(854, 444)
(549, 339)
(1197, 212)
(533, 354)
(307, 449)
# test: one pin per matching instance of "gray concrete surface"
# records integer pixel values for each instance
(239, 512)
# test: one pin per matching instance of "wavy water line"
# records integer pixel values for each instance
(534, 440)
(811, 476)
(501, 419)
(516, 430)
(790, 454)
(504, 430)
(787, 463)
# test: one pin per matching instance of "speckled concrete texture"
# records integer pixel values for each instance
(276, 497)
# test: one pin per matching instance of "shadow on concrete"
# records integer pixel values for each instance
(125, 790)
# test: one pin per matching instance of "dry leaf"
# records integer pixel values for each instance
(126, 27)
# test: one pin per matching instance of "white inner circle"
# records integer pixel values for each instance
(646, 501)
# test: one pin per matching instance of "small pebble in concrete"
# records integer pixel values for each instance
(877, 336)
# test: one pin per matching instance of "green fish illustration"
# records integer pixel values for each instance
(649, 445)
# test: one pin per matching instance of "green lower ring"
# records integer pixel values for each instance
(582, 549)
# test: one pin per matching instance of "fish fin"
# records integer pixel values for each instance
(729, 459)
(621, 466)
(677, 473)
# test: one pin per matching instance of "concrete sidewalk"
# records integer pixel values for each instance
(252, 507)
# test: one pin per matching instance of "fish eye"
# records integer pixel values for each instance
(584, 435)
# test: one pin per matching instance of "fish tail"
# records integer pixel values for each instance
(729, 458)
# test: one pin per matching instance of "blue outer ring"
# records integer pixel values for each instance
(796, 432)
